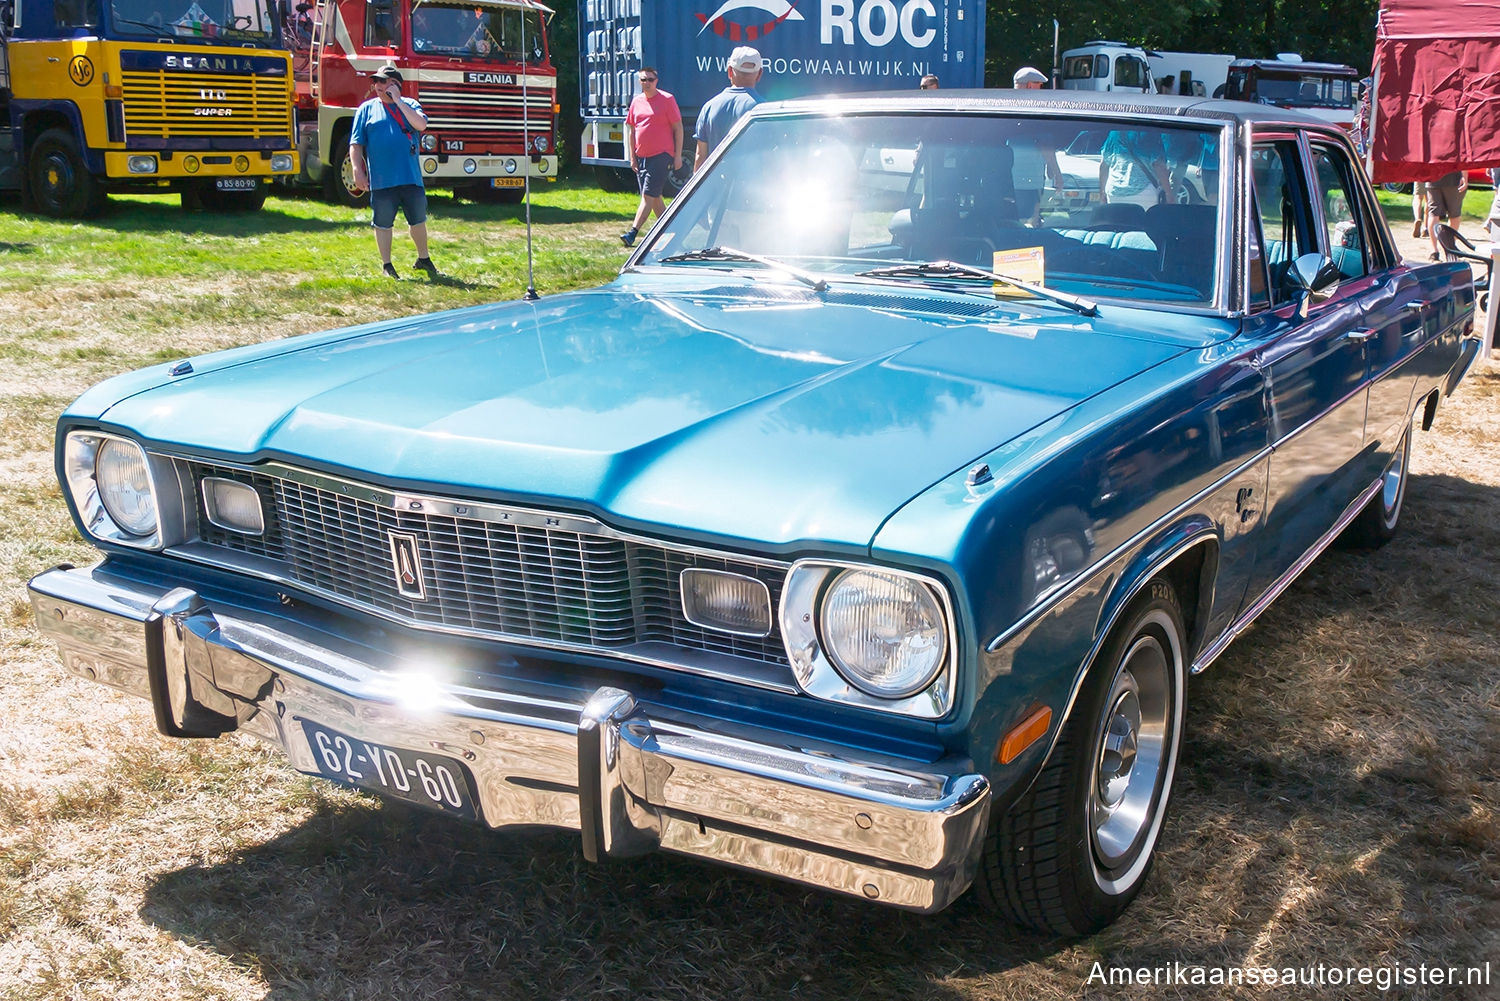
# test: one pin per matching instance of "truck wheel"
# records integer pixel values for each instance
(1376, 524)
(617, 180)
(338, 179)
(203, 195)
(678, 177)
(1396, 187)
(1073, 852)
(60, 182)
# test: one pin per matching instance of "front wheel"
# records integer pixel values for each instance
(59, 179)
(338, 179)
(1073, 852)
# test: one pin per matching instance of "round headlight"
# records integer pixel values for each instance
(429, 142)
(883, 632)
(125, 486)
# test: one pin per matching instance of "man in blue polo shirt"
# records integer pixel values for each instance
(726, 107)
(383, 152)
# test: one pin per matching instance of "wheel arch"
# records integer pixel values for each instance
(39, 118)
(1187, 556)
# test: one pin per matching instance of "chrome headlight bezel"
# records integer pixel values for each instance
(807, 585)
(80, 464)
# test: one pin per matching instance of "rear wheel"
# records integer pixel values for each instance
(1377, 523)
(1399, 188)
(677, 177)
(1073, 852)
(59, 179)
(338, 179)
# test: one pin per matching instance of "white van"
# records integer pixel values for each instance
(1104, 65)
(1194, 74)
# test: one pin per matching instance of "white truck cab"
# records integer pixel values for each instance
(1112, 66)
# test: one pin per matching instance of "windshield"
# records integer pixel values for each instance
(236, 21)
(1306, 90)
(1018, 195)
(478, 32)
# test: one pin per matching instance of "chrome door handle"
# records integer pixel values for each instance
(1359, 335)
(1416, 306)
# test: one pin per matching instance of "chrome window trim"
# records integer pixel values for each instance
(682, 592)
(811, 665)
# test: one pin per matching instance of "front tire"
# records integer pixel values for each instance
(1073, 852)
(59, 179)
(338, 179)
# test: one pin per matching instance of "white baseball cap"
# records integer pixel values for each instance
(1028, 74)
(745, 59)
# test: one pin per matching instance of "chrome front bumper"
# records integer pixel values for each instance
(630, 776)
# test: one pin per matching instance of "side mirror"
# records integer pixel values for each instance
(1313, 277)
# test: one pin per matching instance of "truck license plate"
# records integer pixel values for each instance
(509, 182)
(236, 183)
(435, 781)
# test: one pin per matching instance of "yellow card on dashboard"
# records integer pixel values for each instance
(1026, 264)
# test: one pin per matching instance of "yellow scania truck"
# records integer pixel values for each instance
(137, 95)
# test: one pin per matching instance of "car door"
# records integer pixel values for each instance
(1314, 369)
(1390, 296)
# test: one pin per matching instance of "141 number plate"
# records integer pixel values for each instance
(435, 781)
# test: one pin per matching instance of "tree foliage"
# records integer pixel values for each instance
(1019, 33)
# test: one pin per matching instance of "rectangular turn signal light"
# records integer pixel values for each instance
(1025, 733)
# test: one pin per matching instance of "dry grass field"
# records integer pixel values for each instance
(1338, 800)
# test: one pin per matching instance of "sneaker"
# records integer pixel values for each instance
(390, 270)
(628, 237)
(425, 264)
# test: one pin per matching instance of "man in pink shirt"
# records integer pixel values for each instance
(653, 142)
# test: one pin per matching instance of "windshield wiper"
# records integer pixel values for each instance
(730, 254)
(950, 269)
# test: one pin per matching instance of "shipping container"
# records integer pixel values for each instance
(809, 47)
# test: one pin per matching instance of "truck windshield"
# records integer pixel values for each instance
(236, 21)
(498, 34)
(1013, 194)
(1305, 90)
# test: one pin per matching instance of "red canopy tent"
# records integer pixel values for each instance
(1436, 107)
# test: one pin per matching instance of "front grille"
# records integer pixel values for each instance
(487, 577)
(488, 114)
(174, 106)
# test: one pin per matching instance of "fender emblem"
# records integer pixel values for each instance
(406, 559)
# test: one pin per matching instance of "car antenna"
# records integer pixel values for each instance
(526, 159)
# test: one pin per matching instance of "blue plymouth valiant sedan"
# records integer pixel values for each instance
(862, 533)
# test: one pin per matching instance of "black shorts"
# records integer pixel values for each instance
(412, 199)
(651, 173)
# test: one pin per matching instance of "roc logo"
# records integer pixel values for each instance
(81, 70)
(736, 30)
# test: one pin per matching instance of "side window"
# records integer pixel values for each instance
(1101, 67)
(1347, 237)
(1129, 72)
(381, 26)
(1279, 211)
(76, 13)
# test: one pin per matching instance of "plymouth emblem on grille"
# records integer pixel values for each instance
(407, 561)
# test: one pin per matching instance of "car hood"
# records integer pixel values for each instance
(723, 408)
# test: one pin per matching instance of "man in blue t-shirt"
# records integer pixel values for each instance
(727, 106)
(383, 152)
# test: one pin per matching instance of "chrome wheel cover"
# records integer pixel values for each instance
(1135, 753)
(1393, 482)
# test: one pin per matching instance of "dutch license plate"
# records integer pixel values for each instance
(435, 781)
(508, 182)
(236, 183)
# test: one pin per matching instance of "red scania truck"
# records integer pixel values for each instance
(481, 69)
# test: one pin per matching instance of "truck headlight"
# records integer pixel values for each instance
(884, 633)
(429, 142)
(281, 162)
(111, 482)
(141, 164)
(870, 636)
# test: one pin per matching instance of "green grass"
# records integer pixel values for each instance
(1397, 207)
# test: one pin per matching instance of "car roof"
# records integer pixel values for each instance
(1073, 102)
(1289, 66)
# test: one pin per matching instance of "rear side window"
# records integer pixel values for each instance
(1348, 227)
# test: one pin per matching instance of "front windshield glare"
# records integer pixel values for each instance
(1098, 208)
(230, 20)
(477, 32)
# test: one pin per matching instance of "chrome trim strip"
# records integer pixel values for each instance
(1211, 651)
(1099, 565)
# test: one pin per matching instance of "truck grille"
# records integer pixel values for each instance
(487, 114)
(175, 105)
(513, 581)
